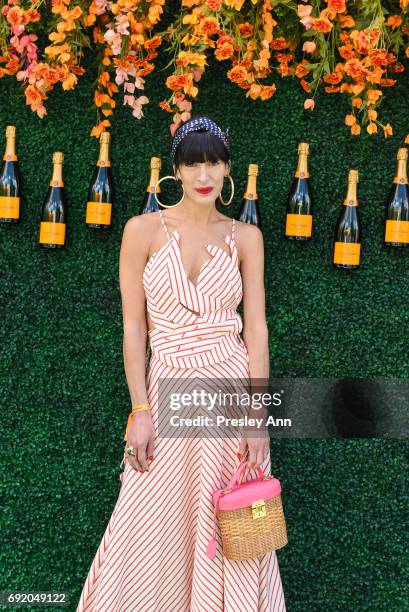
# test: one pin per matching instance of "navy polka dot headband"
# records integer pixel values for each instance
(193, 125)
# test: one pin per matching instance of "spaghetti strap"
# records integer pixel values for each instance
(232, 230)
(163, 223)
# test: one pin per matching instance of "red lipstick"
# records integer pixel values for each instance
(204, 190)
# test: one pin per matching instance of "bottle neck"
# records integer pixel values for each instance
(10, 152)
(103, 159)
(153, 180)
(251, 189)
(401, 176)
(56, 179)
(351, 196)
(302, 167)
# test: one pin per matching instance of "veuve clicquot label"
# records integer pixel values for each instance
(347, 253)
(52, 233)
(397, 205)
(298, 225)
(298, 219)
(98, 213)
(10, 180)
(9, 207)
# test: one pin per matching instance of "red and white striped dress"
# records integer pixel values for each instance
(152, 557)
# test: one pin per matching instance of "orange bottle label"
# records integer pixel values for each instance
(298, 225)
(52, 233)
(99, 212)
(347, 253)
(9, 207)
(397, 231)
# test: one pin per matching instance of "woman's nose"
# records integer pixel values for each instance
(204, 173)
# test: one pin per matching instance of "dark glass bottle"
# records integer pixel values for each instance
(100, 193)
(397, 205)
(347, 246)
(249, 211)
(298, 220)
(150, 203)
(10, 188)
(53, 214)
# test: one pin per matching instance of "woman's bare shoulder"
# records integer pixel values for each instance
(140, 225)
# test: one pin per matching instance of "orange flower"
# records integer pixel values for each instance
(387, 130)
(238, 74)
(357, 102)
(394, 21)
(165, 106)
(254, 91)
(356, 70)
(372, 128)
(332, 89)
(407, 135)
(321, 24)
(208, 26)
(213, 5)
(15, 16)
(246, 29)
(350, 120)
(224, 51)
(355, 129)
(372, 114)
(176, 81)
(301, 71)
(267, 91)
(346, 21)
(364, 40)
(333, 77)
(33, 95)
(98, 129)
(336, 5)
(373, 96)
(279, 43)
(309, 104)
(305, 86)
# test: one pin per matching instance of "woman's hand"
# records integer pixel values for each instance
(258, 450)
(141, 437)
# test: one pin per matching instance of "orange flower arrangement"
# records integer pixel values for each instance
(346, 48)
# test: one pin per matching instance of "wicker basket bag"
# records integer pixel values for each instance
(250, 515)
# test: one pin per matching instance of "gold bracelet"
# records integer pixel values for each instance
(140, 407)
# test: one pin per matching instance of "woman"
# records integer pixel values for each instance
(190, 267)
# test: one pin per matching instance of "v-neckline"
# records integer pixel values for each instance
(209, 244)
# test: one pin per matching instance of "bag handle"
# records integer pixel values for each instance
(239, 472)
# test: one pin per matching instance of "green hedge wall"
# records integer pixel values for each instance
(63, 391)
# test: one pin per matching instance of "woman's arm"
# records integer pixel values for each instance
(133, 255)
(255, 331)
(255, 336)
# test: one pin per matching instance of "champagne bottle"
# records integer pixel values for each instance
(397, 206)
(347, 247)
(298, 222)
(10, 180)
(150, 203)
(249, 211)
(100, 193)
(53, 216)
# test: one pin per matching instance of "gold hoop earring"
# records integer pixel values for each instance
(232, 192)
(156, 195)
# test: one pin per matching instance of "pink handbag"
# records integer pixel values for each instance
(250, 515)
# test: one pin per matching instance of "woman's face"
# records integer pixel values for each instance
(203, 181)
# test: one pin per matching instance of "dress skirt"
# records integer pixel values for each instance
(152, 557)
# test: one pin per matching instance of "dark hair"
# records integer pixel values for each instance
(200, 146)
